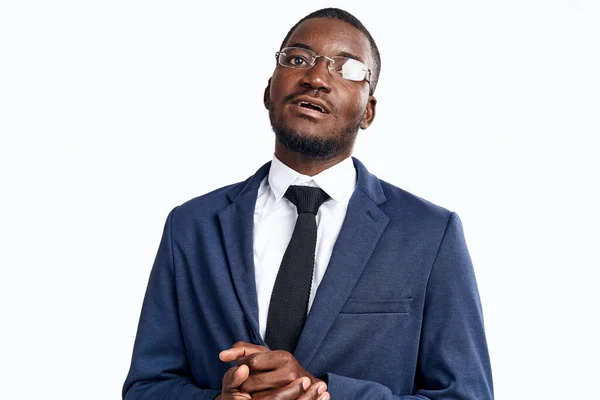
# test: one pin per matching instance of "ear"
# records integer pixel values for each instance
(369, 114)
(267, 95)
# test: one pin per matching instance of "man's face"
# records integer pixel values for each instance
(345, 105)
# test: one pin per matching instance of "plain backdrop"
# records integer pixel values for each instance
(113, 112)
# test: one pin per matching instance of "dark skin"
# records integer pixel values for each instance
(265, 374)
(261, 373)
(350, 101)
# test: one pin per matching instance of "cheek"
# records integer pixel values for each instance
(282, 83)
(355, 105)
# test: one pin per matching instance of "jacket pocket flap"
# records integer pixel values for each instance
(363, 306)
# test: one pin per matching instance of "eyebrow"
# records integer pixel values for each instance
(341, 53)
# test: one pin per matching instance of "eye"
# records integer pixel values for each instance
(297, 61)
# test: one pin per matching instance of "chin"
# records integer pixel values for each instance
(310, 138)
(311, 144)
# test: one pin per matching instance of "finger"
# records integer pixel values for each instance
(240, 349)
(261, 381)
(267, 361)
(316, 391)
(289, 392)
(251, 345)
(325, 396)
(234, 377)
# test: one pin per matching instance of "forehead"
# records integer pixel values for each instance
(331, 37)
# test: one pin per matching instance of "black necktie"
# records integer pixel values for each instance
(289, 300)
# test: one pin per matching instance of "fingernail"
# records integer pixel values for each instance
(305, 383)
(321, 388)
(325, 397)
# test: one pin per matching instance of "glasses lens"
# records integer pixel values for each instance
(350, 68)
(294, 57)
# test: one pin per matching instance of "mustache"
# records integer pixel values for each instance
(313, 93)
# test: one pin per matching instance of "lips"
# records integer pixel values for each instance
(311, 106)
(311, 103)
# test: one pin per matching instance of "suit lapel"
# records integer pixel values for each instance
(362, 228)
(237, 225)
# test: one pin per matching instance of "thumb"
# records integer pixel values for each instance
(240, 375)
(234, 377)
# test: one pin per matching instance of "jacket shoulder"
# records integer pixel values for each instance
(399, 201)
(209, 203)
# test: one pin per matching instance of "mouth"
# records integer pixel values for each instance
(312, 106)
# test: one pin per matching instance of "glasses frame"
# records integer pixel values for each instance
(330, 65)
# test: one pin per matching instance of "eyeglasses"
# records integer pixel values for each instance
(299, 58)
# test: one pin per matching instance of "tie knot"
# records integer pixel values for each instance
(307, 199)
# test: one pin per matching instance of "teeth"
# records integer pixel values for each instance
(313, 105)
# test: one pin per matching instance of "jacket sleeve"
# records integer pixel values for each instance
(453, 360)
(159, 367)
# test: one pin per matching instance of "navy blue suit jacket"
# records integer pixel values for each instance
(396, 316)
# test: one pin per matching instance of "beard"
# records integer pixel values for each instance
(322, 146)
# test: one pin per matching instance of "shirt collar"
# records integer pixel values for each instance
(338, 181)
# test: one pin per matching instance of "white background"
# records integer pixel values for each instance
(113, 112)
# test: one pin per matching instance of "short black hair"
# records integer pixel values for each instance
(336, 13)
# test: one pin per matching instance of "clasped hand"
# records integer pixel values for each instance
(262, 373)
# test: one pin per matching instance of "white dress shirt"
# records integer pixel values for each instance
(275, 218)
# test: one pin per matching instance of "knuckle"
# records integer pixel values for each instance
(252, 362)
(227, 379)
(283, 355)
(290, 376)
(229, 374)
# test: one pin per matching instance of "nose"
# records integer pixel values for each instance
(318, 77)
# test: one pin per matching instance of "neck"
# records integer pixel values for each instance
(306, 165)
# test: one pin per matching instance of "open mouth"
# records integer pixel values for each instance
(311, 106)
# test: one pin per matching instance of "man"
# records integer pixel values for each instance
(313, 279)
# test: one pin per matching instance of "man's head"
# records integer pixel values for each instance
(317, 111)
